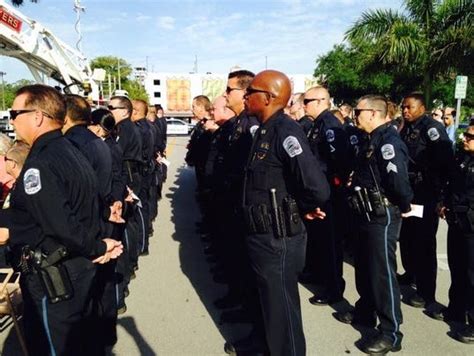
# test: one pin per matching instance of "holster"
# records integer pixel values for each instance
(292, 218)
(257, 219)
(53, 274)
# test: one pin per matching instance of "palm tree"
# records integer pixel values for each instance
(431, 37)
(20, 2)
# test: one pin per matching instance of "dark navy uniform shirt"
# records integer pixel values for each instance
(461, 182)
(129, 139)
(306, 123)
(431, 155)
(56, 197)
(281, 158)
(329, 143)
(388, 157)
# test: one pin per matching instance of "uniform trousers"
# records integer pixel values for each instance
(461, 266)
(418, 250)
(61, 328)
(277, 264)
(375, 266)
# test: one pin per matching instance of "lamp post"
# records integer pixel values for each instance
(3, 90)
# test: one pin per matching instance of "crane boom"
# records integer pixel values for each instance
(44, 54)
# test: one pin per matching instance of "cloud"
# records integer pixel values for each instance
(166, 22)
(143, 18)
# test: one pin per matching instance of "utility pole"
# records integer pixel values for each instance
(118, 70)
(3, 90)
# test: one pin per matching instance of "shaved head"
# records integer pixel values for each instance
(268, 92)
(317, 100)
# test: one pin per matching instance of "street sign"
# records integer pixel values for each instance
(461, 87)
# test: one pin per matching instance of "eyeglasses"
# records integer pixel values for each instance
(111, 108)
(358, 111)
(9, 159)
(467, 136)
(228, 90)
(307, 101)
(15, 113)
(251, 91)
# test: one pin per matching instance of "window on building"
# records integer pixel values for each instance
(156, 82)
(157, 94)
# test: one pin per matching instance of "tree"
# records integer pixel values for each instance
(349, 74)
(10, 89)
(432, 37)
(112, 65)
(20, 2)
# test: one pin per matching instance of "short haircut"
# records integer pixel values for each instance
(78, 109)
(5, 143)
(204, 101)
(244, 77)
(392, 110)
(18, 153)
(346, 105)
(376, 102)
(104, 118)
(158, 107)
(142, 106)
(124, 101)
(300, 98)
(417, 96)
(46, 99)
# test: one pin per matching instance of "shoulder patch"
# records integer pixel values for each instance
(388, 151)
(253, 129)
(354, 140)
(32, 181)
(330, 137)
(433, 134)
(292, 146)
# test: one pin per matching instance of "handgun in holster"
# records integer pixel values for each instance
(53, 274)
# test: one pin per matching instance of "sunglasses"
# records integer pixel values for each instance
(467, 136)
(228, 90)
(251, 91)
(14, 113)
(307, 101)
(111, 108)
(358, 111)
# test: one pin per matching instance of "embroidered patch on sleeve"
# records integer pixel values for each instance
(433, 134)
(330, 137)
(292, 146)
(388, 151)
(392, 167)
(32, 181)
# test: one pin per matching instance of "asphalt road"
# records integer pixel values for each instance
(170, 307)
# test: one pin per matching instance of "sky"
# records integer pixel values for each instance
(167, 35)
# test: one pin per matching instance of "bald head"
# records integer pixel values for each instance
(317, 100)
(268, 92)
(220, 110)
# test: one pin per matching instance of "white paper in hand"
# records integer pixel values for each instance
(416, 211)
(165, 162)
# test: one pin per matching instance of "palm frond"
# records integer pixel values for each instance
(372, 25)
(18, 3)
(455, 13)
(421, 11)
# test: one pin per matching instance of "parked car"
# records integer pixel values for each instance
(177, 127)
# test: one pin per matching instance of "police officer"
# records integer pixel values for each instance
(430, 153)
(381, 192)
(283, 182)
(55, 222)
(459, 212)
(329, 143)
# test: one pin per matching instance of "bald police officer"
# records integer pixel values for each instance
(283, 183)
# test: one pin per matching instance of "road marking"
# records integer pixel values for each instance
(170, 145)
(443, 262)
